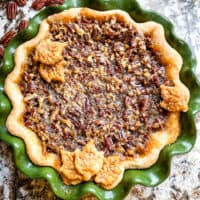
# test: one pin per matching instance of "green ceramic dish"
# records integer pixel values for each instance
(148, 177)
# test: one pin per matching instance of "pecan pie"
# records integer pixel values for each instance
(95, 93)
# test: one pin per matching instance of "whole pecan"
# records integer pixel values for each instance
(11, 10)
(1, 53)
(54, 2)
(21, 2)
(7, 37)
(38, 4)
(22, 25)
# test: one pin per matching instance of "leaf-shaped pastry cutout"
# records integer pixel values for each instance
(174, 98)
(53, 73)
(68, 169)
(111, 172)
(88, 161)
(48, 52)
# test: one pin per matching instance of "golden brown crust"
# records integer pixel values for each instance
(14, 122)
(79, 166)
(175, 98)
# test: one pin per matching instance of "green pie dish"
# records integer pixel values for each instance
(148, 177)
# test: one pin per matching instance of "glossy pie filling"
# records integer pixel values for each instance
(106, 88)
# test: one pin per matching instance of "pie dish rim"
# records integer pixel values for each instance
(157, 140)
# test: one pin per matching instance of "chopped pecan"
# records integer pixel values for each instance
(108, 143)
(143, 104)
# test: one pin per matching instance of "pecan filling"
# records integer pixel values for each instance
(106, 89)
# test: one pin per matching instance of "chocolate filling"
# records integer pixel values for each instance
(111, 92)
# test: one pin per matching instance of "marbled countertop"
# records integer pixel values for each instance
(184, 180)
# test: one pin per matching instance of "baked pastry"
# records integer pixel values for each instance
(95, 93)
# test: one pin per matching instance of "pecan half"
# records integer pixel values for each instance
(22, 25)
(21, 2)
(11, 10)
(38, 4)
(7, 37)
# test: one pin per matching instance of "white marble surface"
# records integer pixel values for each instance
(184, 180)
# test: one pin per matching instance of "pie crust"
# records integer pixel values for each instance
(89, 163)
